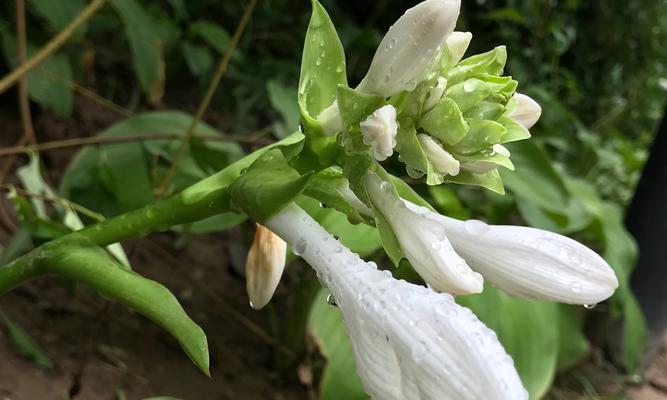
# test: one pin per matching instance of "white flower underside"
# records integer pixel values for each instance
(379, 131)
(529, 262)
(410, 47)
(409, 342)
(424, 243)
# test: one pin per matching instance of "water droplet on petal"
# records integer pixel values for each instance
(299, 247)
(475, 227)
(331, 301)
(590, 306)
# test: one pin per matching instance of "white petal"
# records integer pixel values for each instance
(379, 130)
(330, 120)
(264, 266)
(435, 94)
(409, 343)
(424, 243)
(441, 159)
(410, 47)
(530, 263)
(458, 43)
(527, 111)
(500, 149)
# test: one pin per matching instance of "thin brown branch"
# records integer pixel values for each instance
(101, 100)
(55, 43)
(55, 200)
(24, 102)
(203, 105)
(108, 140)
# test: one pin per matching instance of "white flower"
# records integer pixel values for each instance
(410, 47)
(330, 120)
(527, 110)
(442, 161)
(423, 242)
(409, 343)
(435, 94)
(528, 262)
(264, 266)
(379, 130)
(458, 43)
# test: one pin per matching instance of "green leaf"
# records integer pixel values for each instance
(59, 13)
(124, 171)
(213, 34)
(25, 344)
(482, 134)
(331, 188)
(340, 379)
(491, 62)
(267, 186)
(89, 264)
(445, 122)
(198, 58)
(490, 180)
(528, 331)
(515, 131)
(322, 65)
(356, 106)
(283, 99)
(573, 345)
(81, 182)
(47, 83)
(620, 251)
(145, 45)
(532, 166)
(468, 94)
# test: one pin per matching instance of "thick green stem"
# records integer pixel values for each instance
(201, 200)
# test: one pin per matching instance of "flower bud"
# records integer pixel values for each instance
(410, 47)
(441, 159)
(435, 94)
(528, 262)
(264, 266)
(330, 120)
(527, 110)
(379, 131)
(424, 243)
(458, 43)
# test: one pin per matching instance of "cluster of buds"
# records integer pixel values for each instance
(447, 117)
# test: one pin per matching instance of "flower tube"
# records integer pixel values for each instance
(424, 243)
(529, 262)
(409, 342)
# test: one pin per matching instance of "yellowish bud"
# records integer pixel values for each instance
(264, 266)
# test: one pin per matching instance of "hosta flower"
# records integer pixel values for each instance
(379, 131)
(527, 111)
(528, 262)
(410, 47)
(264, 266)
(408, 342)
(423, 242)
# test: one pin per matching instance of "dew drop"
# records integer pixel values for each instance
(475, 227)
(590, 306)
(386, 186)
(331, 301)
(299, 247)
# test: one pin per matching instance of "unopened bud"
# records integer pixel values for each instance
(264, 266)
